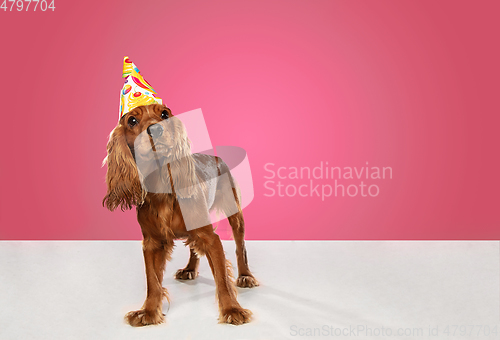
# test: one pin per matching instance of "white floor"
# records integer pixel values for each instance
(356, 290)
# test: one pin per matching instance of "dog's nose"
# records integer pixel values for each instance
(155, 130)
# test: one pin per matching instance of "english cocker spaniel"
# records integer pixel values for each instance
(150, 166)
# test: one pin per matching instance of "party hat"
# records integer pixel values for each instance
(136, 91)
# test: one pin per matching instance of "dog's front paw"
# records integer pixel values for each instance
(235, 316)
(184, 274)
(246, 281)
(142, 317)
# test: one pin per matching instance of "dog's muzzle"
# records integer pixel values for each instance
(155, 130)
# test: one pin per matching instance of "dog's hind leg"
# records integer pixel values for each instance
(190, 272)
(245, 277)
(227, 200)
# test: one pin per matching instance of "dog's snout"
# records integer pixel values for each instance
(155, 130)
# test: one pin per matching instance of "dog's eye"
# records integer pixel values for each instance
(164, 114)
(132, 122)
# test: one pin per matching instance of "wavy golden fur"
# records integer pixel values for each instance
(158, 193)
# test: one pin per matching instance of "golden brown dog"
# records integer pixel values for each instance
(159, 212)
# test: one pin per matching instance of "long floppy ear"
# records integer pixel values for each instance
(182, 166)
(122, 178)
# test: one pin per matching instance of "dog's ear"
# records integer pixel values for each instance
(182, 167)
(122, 177)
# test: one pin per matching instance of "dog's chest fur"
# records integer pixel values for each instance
(162, 210)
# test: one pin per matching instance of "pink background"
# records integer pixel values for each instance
(408, 84)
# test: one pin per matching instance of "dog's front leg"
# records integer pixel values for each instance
(155, 256)
(205, 241)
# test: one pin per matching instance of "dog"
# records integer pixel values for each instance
(161, 197)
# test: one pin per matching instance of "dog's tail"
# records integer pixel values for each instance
(228, 200)
(222, 209)
(238, 192)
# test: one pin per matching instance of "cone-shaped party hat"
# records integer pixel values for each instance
(136, 91)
